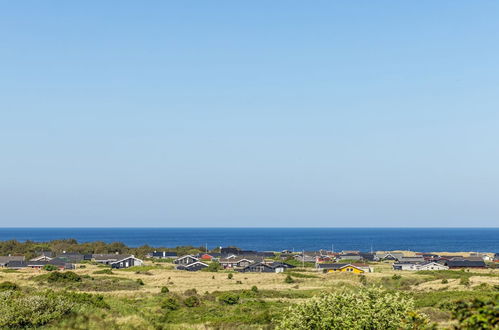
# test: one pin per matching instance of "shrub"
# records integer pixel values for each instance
(289, 279)
(191, 292)
(228, 298)
(63, 277)
(139, 281)
(50, 267)
(464, 281)
(170, 303)
(22, 311)
(370, 308)
(239, 282)
(396, 277)
(164, 290)
(106, 271)
(192, 301)
(81, 298)
(4, 286)
(445, 281)
(254, 289)
(212, 267)
(230, 276)
(477, 314)
(363, 279)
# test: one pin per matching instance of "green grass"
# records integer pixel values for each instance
(442, 299)
(89, 283)
(451, 274)
(106, 271)
(301, 275)
(9, 270)
(140, 268)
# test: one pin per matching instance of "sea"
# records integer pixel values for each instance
(278, 239)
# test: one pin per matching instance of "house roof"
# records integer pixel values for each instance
(233, 260)
(6, 259)
(109, 256)
(268, 265)
(339, 266)
(191, 265)
(163, 254)
(126, 258)
(197, 263)
(186, 256)
(465, 263)
(411, 259)
(16, 264)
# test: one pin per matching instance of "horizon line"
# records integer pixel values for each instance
(251, 227)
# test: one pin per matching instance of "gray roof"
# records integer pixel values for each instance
(331, 266)
(110, 256)
(17, 264)
(5, 259)
(465, 263)
(411, 259)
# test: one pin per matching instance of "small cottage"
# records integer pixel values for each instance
(129, 261)
(185, 260)
(195, 266)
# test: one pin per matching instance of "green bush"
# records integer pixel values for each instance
(50, 267)
(445, 281)
(139, 281)
(369, 308)
(190, 292)
(464, 281)
(164, 290)
(170, 303)
(228, 298)
(106, 271)
(396, 277)
(80, 298)
(63, 277)
(254, 289)
(213, 267)
(4, 286)
(19, 310)
(477, 314)
(230, 276)
(192, 301)
(289, 279)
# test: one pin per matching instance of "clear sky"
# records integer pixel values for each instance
(249, 113)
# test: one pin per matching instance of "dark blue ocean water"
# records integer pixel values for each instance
(277, 239)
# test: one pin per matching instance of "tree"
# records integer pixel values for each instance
(370, 308)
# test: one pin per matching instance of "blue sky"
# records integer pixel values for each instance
(256, 113)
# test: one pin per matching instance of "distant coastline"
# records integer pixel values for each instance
(451, 240)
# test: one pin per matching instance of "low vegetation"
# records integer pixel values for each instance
(154, 296)
(369, 308)
(174, 299)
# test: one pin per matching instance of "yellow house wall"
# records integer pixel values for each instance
(353, 270)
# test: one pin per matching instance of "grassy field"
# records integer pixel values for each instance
(156, 296)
